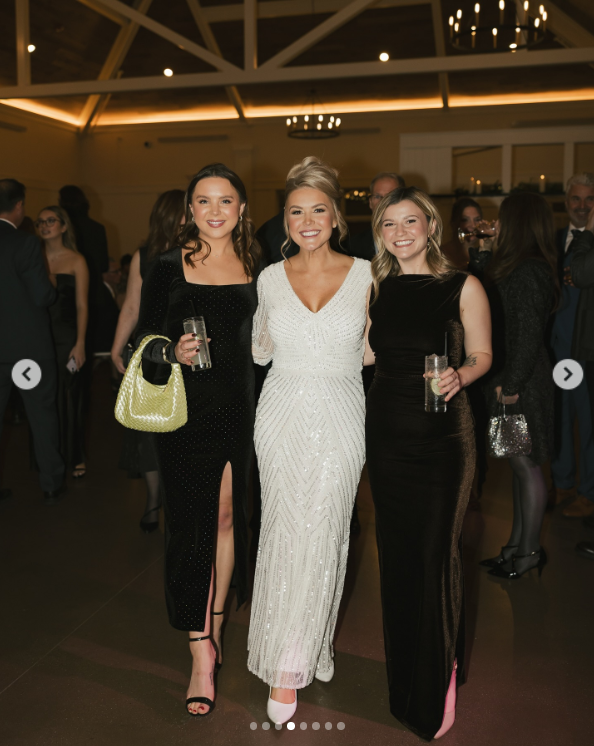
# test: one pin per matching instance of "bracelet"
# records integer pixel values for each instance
(164, 351)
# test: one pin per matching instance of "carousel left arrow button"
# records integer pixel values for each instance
(26, 374)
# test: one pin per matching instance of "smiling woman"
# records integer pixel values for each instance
(210, 271)
(420, 463)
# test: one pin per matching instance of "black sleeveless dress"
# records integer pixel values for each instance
(421, 466)
(70, 390)
(220, 429)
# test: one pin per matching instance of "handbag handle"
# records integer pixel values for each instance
(136, 361)
(501, 402)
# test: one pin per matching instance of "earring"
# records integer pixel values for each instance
(240, 218)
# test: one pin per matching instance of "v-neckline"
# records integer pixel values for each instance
(315, 313)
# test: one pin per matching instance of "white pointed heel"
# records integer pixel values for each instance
(279, 712)
(325, 676)
(449, 715)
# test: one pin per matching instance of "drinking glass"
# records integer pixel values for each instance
(435, 365)
(485, 229)
(195, 325)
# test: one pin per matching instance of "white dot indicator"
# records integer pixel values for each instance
(290, 726)
(265, 726)
(253, 726)
(278, 726)
(303, 726)
(328, 726)
(315, 726)
(340, 726)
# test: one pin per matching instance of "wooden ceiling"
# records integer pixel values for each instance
(73, 42)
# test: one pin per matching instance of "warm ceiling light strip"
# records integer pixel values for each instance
(344, 107)
(33, 107)
(507, 99)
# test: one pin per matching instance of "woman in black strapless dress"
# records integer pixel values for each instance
(421, 464)
(205, 465)
(68, 318)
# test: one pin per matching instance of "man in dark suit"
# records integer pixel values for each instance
(271, 236)
(582, 271)
(25, 293)
(572, 404)
(362, 244)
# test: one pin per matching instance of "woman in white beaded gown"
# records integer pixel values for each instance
(309, 438)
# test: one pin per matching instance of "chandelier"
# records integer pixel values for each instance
(516, 29)
(314, 125)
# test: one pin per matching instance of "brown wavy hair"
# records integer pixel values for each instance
(164, 222)
(526, 231)
(69, 236)
(313, 173)
(384, 263)
(245, 245)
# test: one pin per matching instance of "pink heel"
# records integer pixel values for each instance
(449, 715)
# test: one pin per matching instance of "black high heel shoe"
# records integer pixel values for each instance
(150, 526)
(513, 574)
(200, 700)
(499, 560)
(218, 665)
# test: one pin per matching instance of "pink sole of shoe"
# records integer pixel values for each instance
(449, 715)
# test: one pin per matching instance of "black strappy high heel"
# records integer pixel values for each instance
(217, 664)
(150, 526)
(514, 574)
(200, 700)
(500, 559)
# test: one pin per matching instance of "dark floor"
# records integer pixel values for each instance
(87, 655)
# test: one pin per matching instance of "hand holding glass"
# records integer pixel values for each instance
(195, 325)
(485, 229)
(435, 367)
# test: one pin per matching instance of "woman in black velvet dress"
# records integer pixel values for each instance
(205, 464)
(421, 464)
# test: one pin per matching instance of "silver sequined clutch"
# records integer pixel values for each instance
(508, 435)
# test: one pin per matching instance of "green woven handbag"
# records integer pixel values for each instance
(144, 406)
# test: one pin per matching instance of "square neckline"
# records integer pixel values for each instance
(209, 285)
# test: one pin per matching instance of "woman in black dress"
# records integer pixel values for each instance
(139, 456)
(68, 318)
(521, 277)
(205, 465)
(421, 464)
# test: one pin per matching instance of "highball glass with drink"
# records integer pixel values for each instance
(195, 325)
(435, 366)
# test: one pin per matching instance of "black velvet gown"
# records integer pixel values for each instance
(421, 466)
(70, 385)
(219, 429)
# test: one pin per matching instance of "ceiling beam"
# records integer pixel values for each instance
(250, 34)
(126, 35)
(212, 45)
(22, 42)
(180, 41)
(569, 32)
(440, 50)
(287, 8)
(103, 10)
(453, 63)
(320, 32)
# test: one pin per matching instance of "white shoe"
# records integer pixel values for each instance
(279, 712)
(325, 675)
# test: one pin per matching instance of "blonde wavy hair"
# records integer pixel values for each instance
(384, 263)
(313, 173)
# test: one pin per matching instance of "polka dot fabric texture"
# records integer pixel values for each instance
(219, 430)
(310, 446)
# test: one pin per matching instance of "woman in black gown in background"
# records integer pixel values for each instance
(68, 318)
(205, 465)
(421, 464)
(139, 457)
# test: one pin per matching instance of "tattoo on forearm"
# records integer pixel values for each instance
(470, 361)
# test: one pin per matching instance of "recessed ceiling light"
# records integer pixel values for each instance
(168, 72)
(31, 48)
(384, 56)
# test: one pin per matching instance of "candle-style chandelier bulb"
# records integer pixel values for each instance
(288, 122)
(526, 4)
(502, 5)
(458, 14)
(477, 8)
(536, 22)
(451, 20)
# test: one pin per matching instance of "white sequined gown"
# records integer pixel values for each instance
(310, 444)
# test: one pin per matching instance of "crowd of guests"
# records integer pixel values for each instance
(511, 297)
